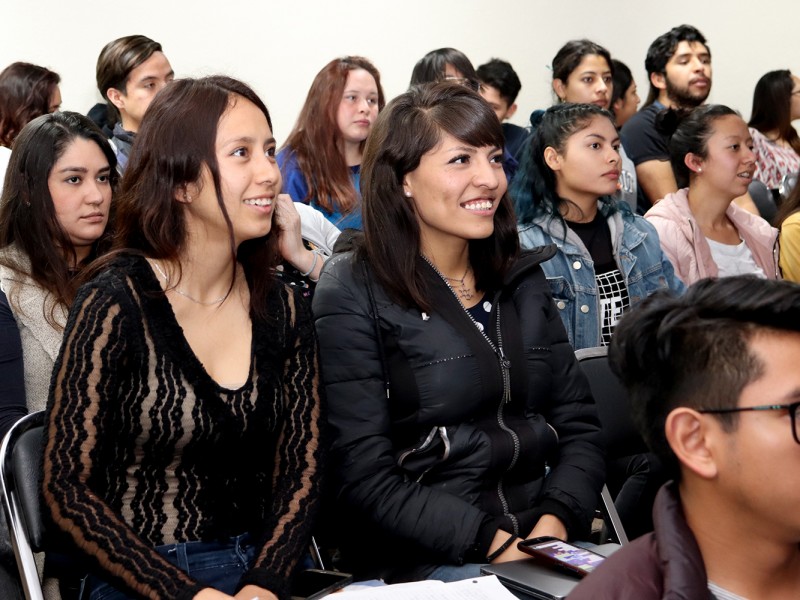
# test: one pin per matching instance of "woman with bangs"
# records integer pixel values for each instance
(182, 459)
(461, 423)
(321, 159)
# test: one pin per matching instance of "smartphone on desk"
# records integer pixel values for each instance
(561, 555)
(315, 583)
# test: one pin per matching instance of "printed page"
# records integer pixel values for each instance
(478, 588)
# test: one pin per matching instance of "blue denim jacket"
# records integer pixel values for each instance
(571, 271)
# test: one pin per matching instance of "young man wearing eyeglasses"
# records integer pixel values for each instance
(714, 385)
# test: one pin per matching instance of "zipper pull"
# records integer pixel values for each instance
(505, 365)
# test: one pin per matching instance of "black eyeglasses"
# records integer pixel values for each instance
(792, 408)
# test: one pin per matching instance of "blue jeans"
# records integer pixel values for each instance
(217, 565)
(448, 573)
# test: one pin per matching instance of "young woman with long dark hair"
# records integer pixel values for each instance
(321, 158)
(776, 103)
(53, 216)
(461, 422)
(182, 459)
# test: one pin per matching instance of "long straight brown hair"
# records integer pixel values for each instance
(177, 138)
(317, 142)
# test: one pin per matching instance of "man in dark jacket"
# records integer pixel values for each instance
(714, 383)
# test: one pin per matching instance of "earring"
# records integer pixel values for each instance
(700, 169)
(408, 194)
(187, 198)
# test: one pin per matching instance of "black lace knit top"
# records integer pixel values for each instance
(143, 448)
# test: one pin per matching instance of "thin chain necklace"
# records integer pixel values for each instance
(462, 289)
(184, 294)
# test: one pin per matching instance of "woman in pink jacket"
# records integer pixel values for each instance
(702, 231)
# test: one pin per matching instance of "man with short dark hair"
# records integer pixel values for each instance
(715, 390)
(130, 72)
(500, 86)
(678, 64)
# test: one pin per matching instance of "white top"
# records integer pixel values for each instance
(316, 228)
(734, 260)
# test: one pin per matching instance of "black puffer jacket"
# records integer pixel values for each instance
(427, 476)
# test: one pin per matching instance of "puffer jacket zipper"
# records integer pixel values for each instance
(505, 370)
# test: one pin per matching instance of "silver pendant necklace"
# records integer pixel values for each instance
(184, 294)
(462, 289)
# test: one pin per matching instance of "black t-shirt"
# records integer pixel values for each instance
(643, 143)
(611, 289)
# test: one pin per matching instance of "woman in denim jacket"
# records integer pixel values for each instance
(609, 259)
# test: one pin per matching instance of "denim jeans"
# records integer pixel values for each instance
(218, 565)
(449, 573)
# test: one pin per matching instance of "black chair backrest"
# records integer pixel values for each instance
(621, 436)
(26, 460)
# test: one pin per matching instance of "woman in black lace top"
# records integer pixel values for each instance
(182, 432)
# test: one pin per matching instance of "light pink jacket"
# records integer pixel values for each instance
(687, 247)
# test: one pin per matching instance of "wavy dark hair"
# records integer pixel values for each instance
(772, 106)
(693, 350)
(412, 125)
(176, 140)
(27, 215)
(316, 140)
(431, 67)
(663, 48)
(789, 206)
(534, 190)
(689, 130)
(25, 92)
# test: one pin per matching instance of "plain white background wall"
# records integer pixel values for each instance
(278, 47)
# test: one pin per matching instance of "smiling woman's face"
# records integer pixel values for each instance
(456, 190)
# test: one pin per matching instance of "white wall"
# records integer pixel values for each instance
(278, 46)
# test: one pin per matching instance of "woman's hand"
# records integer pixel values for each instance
(251, 592)
(291, 242)
(211, 594)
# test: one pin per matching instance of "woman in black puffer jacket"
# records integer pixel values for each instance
(461, 421)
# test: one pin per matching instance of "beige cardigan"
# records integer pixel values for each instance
(41, 341)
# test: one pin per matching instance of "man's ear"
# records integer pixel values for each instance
(691, 435)
(116, 97)
(511, 110)
(552, 158)
(560, 88)
(659, 80)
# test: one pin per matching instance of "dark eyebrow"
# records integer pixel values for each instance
(74, 170)
(245, 139)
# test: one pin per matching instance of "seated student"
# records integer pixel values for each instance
(776, 103)
(788, 221)
(608, 258)
(183, 459)
(130, 72)
(500, 86)
(449, 64)
(53, 215)
(624, 101)
(582, 74)
(713, 382)
(460, 420)
(321, 159)
(702, 231)
(678, 64)
(26, 92)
